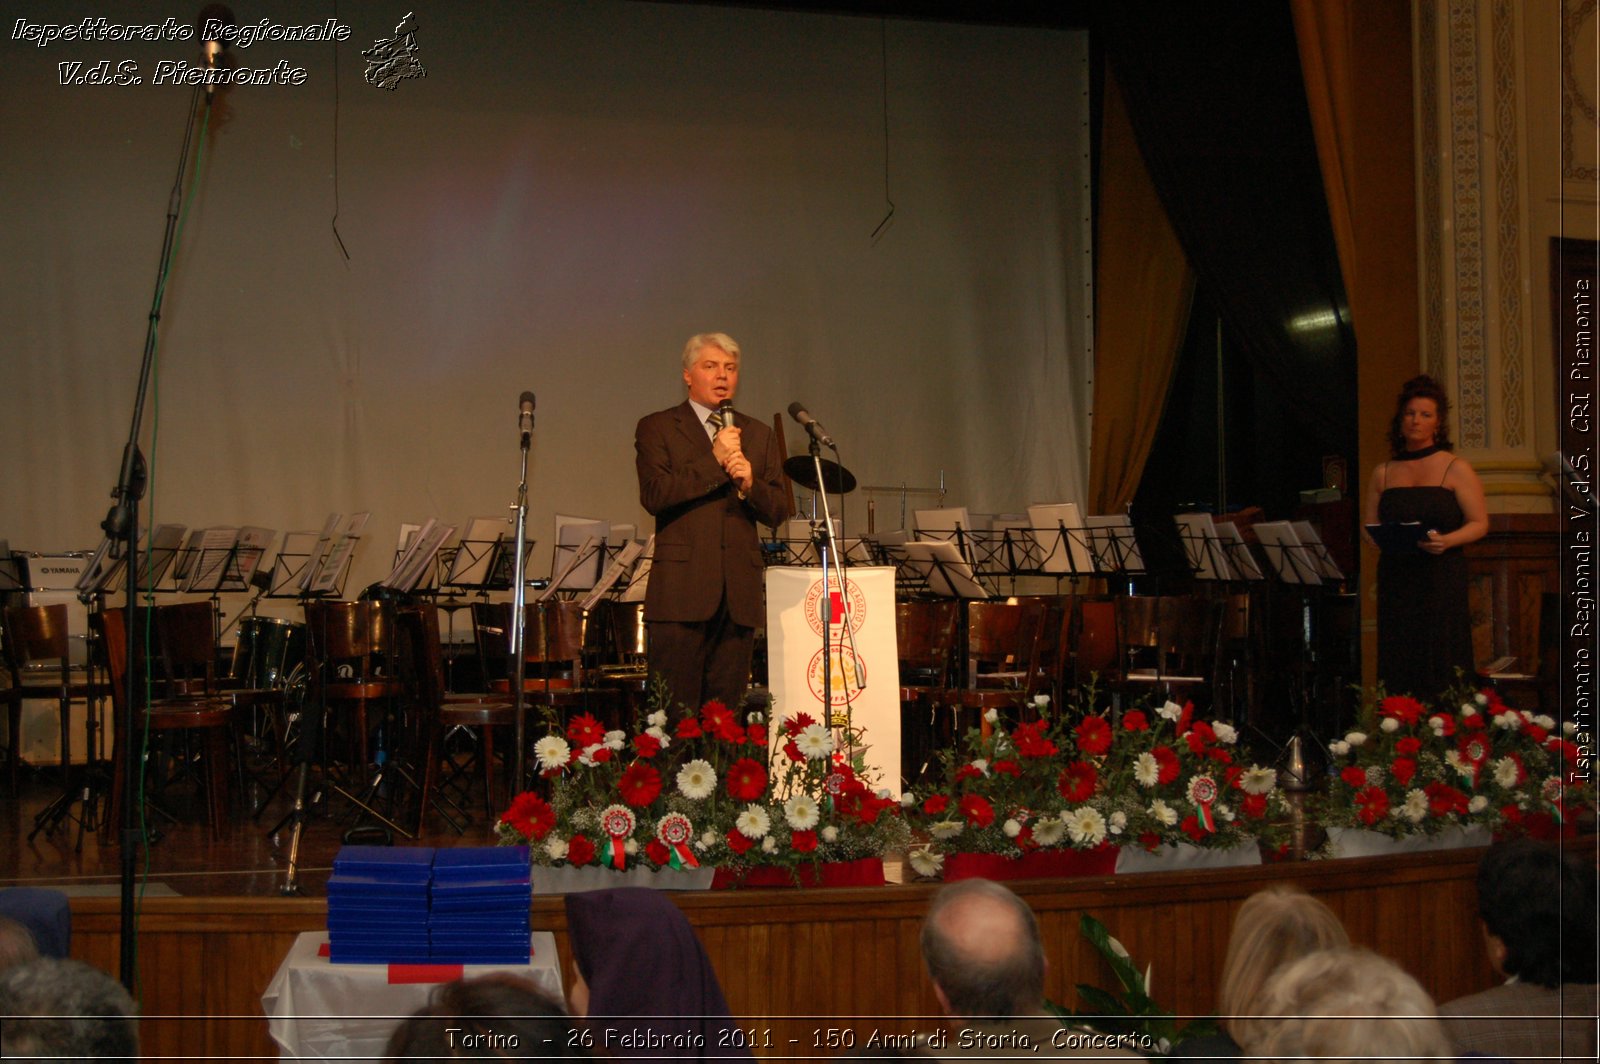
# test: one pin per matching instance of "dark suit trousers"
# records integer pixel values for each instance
(702, 660)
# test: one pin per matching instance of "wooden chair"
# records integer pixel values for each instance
(353, 666)
(37, 652)
(206, 719)
(926, 633)
(1000, 655)
(1169, 644)
(553, 653)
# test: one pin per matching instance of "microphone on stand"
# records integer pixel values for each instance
(210, 23)
(525, 416)
(810, 424)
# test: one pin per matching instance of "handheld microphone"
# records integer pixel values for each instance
(810, 424)
(725, 411)
(525, 416)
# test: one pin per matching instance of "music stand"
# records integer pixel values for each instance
(1115, 549)
(1295, 565)
(1203, 547)
(1059, 530)
(943, 570)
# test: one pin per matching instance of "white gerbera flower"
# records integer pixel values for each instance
(659, 735)
(1454, 759)
(553, 752)
(753, 822)
(616, 739)
(697, 779)
(1086, 826)
(1226, 733)
(926, 863)
(1355, 738)
(1477, 804)
(830, 834)
(1415, 807)
(1258, 780)
(658, 719)
(1146, 770)
(769, 845)
(944, 829)
(1163, 813)
(1048, 831)
(814, 741)
(802, 812)
(1170, 711)
(1505, 772)
(1012, 828)
(555, 847)
(1389, 724)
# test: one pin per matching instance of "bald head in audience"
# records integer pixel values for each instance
(981, 945)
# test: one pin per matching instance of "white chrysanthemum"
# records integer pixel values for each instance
(1569, 728)
(658, 719)
(1146, 770)
(1481, 698)
(1226, 733)
(1048, 831)
(1041, 701)
(616, 739)
(755, 716)
(1086, 826)
(945, 829)
(926, 863)
(802, 812)
(1225, 811)
(1544, 722)
(1507, 720)
(1170, 711)
(1468, 711)
(1505, 772)
(659, 735)
(1477, 804)
(753, 822)
(883, 794)
(991, 715)
(1437, 724)
(1012, 828)
(1454, 759)
(814, 741)
(769, 845)
(697, 779)
(1119, 820)
(1163, 813)
(555, 847)
(553, 752)
(830, 834)
(907, 800)
(982, 765)
(708, 839)
(1338, 748)
(630, 847)
(1355, 738)
(586, 755)
(1258, 780)
(1415, 807)
(1389, 724)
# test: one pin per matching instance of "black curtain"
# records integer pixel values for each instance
(1215, 95)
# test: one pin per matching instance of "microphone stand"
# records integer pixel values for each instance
(828, 547)
(519, 597)
(121, 525)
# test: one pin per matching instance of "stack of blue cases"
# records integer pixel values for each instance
(378, 905)
(480, 906)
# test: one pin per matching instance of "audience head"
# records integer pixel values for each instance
(65, 1010)
(1274, 926)
(636, 959)
(1342, 1005)
(981, 945)
(16, 944)
(1537, 903)
(498, 1015)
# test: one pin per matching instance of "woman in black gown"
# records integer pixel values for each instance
(1424, 629)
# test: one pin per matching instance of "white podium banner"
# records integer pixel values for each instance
(795, 665)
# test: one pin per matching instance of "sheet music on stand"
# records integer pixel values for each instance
(1111, 540)
(942, 568)
(1059, 530)
(476, 552)
(1197, 531)
(329, 564)
(575, 560)
(1238, 551)
(105, 574)
(953, 524)
(218, 551)
(573, 534)
(626, 555)
(1311, 539)
(1289, 558)
(1009, 548)
(639, 579)
(417, 560)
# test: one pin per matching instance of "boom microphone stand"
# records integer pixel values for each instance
(519, 598)
(122, 526)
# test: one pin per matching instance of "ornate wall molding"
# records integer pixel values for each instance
(1466, 215)
(1578, 107)
(1509, 215)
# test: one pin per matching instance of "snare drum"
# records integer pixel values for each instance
(270, 652)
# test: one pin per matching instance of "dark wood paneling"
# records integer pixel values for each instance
(1509, 569)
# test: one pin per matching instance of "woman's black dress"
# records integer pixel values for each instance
(1424, 628)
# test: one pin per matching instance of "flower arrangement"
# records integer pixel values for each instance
(709, 792)
(1081, 780)
(1408, 769)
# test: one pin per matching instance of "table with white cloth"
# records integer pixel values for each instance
(317, 1010)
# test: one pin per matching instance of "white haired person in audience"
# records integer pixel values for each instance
(1537, 907)
(64, 1010)
(1273, 927)
(983, 952)
(1347, 1005)
(16, 944)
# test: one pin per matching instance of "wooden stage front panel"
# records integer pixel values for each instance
(797, 963)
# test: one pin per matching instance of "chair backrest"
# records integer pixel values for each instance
(110, 627)
(926, 633)
(1003, 637)
(186, 632)
(1096, 648)
(1177, 630)
(348, 631)
(35, 634)
(421, 625)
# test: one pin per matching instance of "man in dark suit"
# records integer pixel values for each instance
(707, 485)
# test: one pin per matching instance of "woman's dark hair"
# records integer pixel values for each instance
(500, 1015)
(1423, 387)
(1539, 900)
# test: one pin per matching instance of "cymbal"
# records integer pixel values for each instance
(836, 479)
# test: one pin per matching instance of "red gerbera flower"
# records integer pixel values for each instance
(646, 744)
(1200, 736)
(640, 784)
(1030, 741)
(584, 730)
(1077, 781)
(657, 851)
(530, 815)
(1167, 764)
(1135, 720)
(1354, 775)
(688, 728)
(1094, 735)
(1444, 799)
(936, 805)
(1253, 806)
(1191, 827)
(1149, 840)
(1408, 746)
(738, 841)
(796, 725)
(976, 810)
(803, 841)
(756, 734)
(1374, 805)
(968, 772)
(580, 851)
(1185, 717)
(1006, 768)
(747, 780)
(1403, 708)
(1403, 769)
